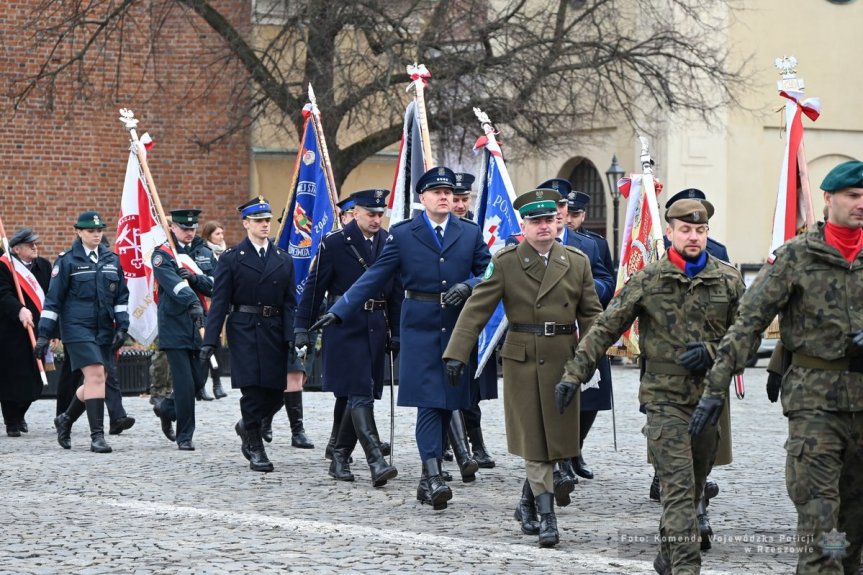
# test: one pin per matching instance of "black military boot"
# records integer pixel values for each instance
(480, 454)
(267, 428)
(432, 489)
(218, 390)
(564, 483)
(167, 423)
(458, 439)
(96, 417)
(258, 460)
(363, 419)
(581, 468)
(525, 511)
(63, 422)
(386, 449)
(338, 414)
(244, 439)
(654, 488)
(294, 407)
(704, 528)
(548, 534)
(340, 468)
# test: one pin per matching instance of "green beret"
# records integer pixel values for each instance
(689, 211)
(846, 175)
(89, 221)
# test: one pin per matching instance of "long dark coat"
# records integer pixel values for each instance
(258, 345)
(532, 293)
(413, 251)
(353, 352)
(19, 378)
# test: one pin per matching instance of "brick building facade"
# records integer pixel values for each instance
(64, 151)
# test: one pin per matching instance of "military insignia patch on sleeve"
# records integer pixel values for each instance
(55, 271)
(157, 260)
(488, 271)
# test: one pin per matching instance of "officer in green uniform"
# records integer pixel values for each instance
(684, 303)
(814, 282)
(546, 287)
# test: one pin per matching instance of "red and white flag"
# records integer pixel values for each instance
(138, 234)
(794, 212)
(642, 238)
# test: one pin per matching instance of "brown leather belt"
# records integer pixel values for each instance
(264, 310)
(854, 364)
(548, 328)
(425, 296)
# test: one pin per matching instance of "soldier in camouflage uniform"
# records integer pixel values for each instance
(684, 303)
(815, 283)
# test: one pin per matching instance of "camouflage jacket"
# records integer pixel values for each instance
(672, 310)
(818, 296)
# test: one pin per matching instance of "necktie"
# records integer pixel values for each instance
(439, 231)
(94, 257)
(545, 260)
(262, 252)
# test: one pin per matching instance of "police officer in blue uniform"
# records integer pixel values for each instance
(181, 317)
(440, 259)
(254, 290)
(466, 424)
(354, 353)
(89, 298)
(594, 399)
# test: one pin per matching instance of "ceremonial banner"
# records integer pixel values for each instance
(403, 202)
(498, 220)
(138, 234)
(794, 212)
(642, 239)
(310, 213)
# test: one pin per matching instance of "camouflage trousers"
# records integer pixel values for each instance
(823, 471)
(682, 464)
(161, 382)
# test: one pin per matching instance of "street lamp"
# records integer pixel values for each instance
(614, 173)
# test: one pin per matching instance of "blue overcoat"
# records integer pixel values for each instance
(353, 352)
(258, 344)
(412, 250)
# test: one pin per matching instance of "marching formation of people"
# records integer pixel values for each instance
(431, 283)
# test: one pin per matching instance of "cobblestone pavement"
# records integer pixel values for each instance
(149, 508)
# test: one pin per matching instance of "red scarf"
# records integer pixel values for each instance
(848, 241)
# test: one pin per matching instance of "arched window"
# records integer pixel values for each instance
(586, 178)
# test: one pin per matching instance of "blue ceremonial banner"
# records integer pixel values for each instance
(499, 220)
(310, 213)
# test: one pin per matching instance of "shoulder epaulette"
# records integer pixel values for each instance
(401, 223)
(506, 249)
(334, 232)
(466, 220)
(61, 254)
(575, 249)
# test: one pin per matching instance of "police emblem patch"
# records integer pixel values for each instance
(157, 260)
(488, 271)
(55, 271)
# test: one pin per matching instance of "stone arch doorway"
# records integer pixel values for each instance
(586, 178)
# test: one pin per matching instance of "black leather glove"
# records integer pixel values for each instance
(187, 275)
(696, 357)
(394, 345)
(119, 340)
(857, 340)
(301, 338)
(457, 294)
(564, 393)
(41, 348)
(196, 312)
(774, 384)
(206, 353)
(326, 319)
(708, 411)
(454, 369)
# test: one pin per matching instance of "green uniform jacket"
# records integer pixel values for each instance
(819, 298)
(533, 364)
(672, 310)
